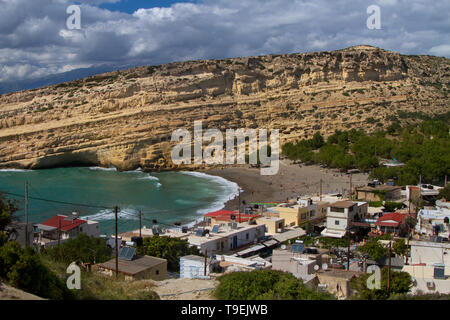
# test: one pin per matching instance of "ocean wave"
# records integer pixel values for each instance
(230, 188)
(103, 169)
(108, 214)
(14, 170)
(138, 170)
(149, 177)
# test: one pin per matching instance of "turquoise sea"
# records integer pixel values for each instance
(167, 197)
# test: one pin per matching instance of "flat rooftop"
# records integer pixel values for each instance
(196, 240)
(135, 266)
(343, 204)
(378, 188)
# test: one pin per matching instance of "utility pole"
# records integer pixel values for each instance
(206, 261)
(389, 270)
(116, 209)
(59, 231)
(320, 196)
(140, 223)
(26, 214)
(239, 204)
(348, 248)
(351, 187)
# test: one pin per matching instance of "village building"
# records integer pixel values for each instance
(196, 267)
(434, 221)
(226, 238)
(339, 217)
(379, 193)
(61, 228)
(232, 263)
(273, 224)
(226, 216)
(135, 268)
(300, 212)
(298, 260)
(337, 282)
(429, 267)
(391, 223)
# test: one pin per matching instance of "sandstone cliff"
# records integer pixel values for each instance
(126, 118)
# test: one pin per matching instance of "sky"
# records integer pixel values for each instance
(35, 40)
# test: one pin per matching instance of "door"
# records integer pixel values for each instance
(234, 242)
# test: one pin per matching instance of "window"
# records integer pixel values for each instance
(336, 222)
(303, 217)
(157, 272)
(246, 236)
(313, 213)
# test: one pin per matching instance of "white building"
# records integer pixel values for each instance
(227, 238)
(339, 215)
(430, 267)
(437, 218)
(193, 267)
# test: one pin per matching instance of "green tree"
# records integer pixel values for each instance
(171, 249)
(265, 285)
(374, 249)
(399, 247)
(83, 248)
(444, 193)
(401, 283)
(23, 269)
(7, 210)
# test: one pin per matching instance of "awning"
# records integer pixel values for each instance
(45, 227)
(332, 233)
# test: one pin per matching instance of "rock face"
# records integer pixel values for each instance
(126, 118)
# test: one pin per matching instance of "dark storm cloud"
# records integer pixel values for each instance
(34, 39)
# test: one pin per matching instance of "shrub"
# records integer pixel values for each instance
(265, 285)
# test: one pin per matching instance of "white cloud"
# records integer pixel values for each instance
(35, 41)
(442, 50)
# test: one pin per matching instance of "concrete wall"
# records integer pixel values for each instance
(193, 269)
(214, 244)
(300, 265)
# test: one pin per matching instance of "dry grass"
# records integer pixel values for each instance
(97, 287)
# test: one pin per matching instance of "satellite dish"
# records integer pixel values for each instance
(324, 266)
(283, 247)
(316, 267)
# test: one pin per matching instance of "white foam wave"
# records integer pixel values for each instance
(14, 170)
(108, 214)
(149, 177)
(103, 169)
(138, 170)
(230, 188)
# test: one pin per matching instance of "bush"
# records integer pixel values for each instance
(401, 283)
(24, 270)
(265, 285)
(171, 249)
(82, 248)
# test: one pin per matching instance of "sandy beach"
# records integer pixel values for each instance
(291, 180)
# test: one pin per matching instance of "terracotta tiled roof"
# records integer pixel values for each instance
(59, 221)
(225, 215)
(393, 219)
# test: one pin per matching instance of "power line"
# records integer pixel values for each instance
(57, 201)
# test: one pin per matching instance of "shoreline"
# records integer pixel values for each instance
(292, 180)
